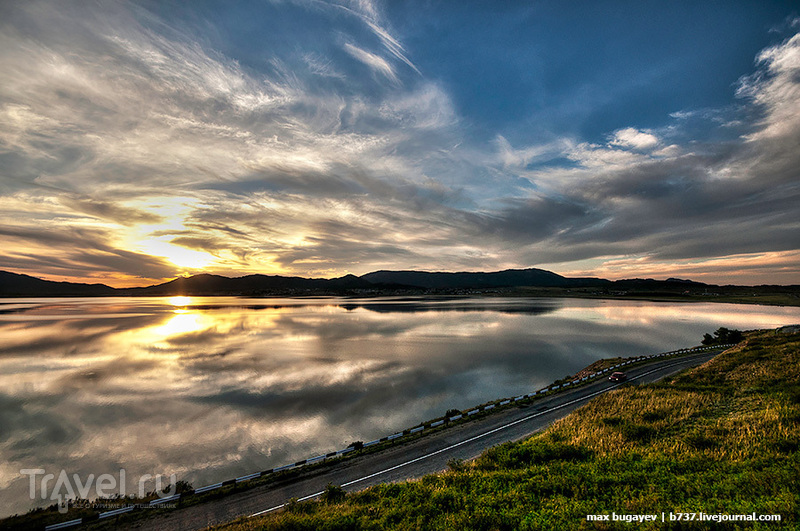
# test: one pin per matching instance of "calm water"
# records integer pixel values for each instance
(211, 388)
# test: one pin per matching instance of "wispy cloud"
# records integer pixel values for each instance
(775, 88)
(375, 62)
(321, 66)
(521, 157)
(366, 11)
(392, 45)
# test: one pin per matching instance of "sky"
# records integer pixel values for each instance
(140, 141)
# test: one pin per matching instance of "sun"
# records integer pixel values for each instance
(154, 238)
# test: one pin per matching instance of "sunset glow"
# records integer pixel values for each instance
(180, 256)
(141, 141)
(179, 301)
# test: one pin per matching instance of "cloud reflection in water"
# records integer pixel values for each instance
(211, 388)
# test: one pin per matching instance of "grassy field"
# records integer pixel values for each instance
(719, 439)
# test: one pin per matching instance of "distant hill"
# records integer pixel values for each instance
(16, 285)
(206, 284)
(385, 282)
(511, 278)
(671, 284)
(499, 279)
(12, 284)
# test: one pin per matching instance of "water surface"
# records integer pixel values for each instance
(211, 388)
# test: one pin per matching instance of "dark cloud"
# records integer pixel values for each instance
(201, 243)
(535, 219)
(96, 267)
(110, 211)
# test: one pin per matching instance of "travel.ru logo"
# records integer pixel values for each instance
(61, 488)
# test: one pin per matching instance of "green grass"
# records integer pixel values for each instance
(721, 438)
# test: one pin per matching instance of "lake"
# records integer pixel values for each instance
(211, 388)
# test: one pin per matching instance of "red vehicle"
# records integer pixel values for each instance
(617, 377)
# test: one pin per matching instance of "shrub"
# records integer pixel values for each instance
(723, 336)
(333, 494)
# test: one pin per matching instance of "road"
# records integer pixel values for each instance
(412, 459)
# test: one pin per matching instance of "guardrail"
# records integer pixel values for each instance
(392, 437)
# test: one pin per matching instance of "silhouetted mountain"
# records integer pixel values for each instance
(206, 284)
(499, 279)
(649, 284)
(378, 282)
(16, 285)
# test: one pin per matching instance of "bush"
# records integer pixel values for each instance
(723, 336)
(333, 494)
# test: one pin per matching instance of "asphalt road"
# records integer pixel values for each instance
(411, 459)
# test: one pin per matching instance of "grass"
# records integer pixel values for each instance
(720, 438)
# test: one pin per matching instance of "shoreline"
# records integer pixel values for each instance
(786, 299)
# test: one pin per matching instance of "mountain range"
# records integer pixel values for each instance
(18, 285)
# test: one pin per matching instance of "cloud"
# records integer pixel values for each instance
(134, 137)
(375, 62)
(321, 66)
(149, 111)
(775, 89)
(511, 157)
(392, 45)
(748, 269)
(110, 211)
(634, 139)
(682, 115)
(692, 202)
(366, 11)
(672, 150)
(599, 156)
(427, 108)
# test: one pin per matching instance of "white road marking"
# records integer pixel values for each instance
(466, 441)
